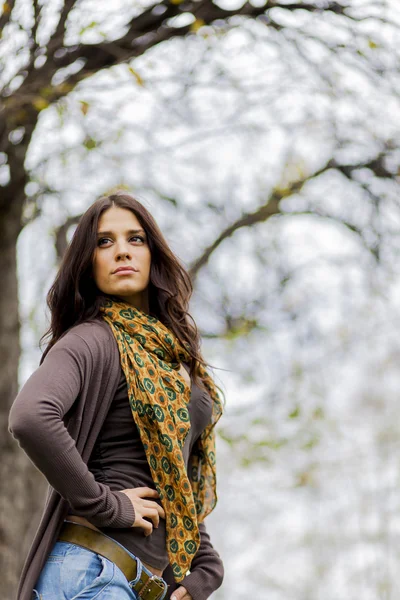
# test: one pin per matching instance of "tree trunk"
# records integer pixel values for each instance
(23, 487)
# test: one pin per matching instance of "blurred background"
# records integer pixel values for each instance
(264, 138)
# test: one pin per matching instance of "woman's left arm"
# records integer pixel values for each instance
(206, 572)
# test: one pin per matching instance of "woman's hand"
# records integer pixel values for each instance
(181, 593)
(145, 508)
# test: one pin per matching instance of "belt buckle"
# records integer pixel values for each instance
(159, 586)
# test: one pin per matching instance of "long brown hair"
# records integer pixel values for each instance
(74, 297)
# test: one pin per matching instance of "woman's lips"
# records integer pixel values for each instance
(125, 272)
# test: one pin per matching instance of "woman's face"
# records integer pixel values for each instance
(122, 242)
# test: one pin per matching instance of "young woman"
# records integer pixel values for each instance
(120, 418)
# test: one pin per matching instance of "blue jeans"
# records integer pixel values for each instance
(75, 573)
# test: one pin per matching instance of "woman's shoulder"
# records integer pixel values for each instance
(91, 330)
(90, 337)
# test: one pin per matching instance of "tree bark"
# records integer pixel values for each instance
(23, 486)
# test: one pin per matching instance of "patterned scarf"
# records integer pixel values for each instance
(150, 357)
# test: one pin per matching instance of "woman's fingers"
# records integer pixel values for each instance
(181, 593)
(151, 504)
(146, 526)
(144, 492)
(152, 514)
(147, 512)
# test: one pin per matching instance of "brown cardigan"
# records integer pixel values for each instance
(68, 398)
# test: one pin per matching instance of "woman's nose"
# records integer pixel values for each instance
(122, 251)
(122, 255)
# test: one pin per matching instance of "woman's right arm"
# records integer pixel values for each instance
(36, 422)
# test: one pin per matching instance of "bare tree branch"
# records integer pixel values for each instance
(149, 29)
(36, 20)
(61, 235)
(145, 31)
(376, 165)
(271, 207)
(264, 212)
(7, 10)
(57, 39)
(261, 214)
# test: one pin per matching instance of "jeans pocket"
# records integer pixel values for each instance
(84, 574)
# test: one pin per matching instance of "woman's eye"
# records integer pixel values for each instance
(134, 237)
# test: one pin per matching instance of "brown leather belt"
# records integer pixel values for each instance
(147, 587)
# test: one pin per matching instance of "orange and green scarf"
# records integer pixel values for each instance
(150, 357)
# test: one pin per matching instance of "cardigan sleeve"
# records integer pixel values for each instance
(36, 422)
(207, 570)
